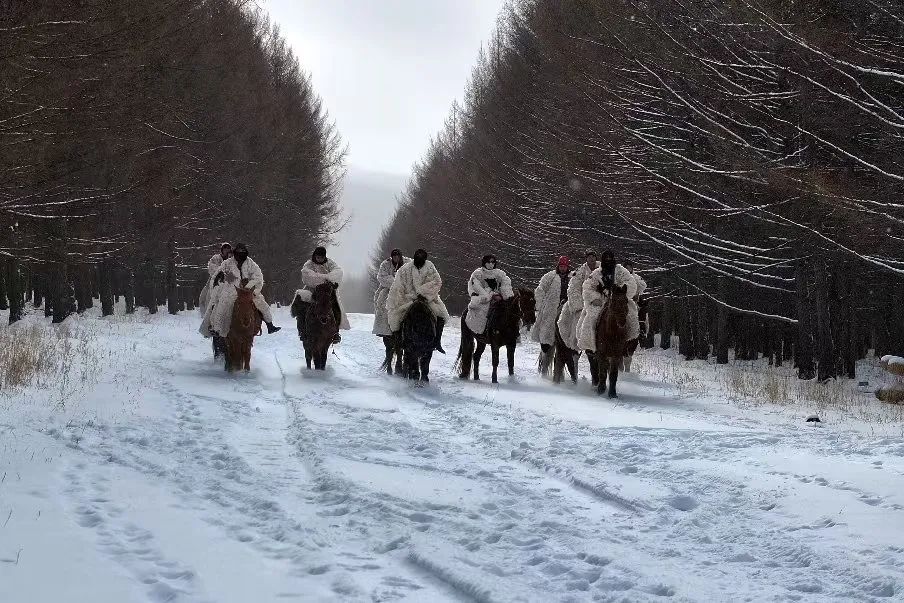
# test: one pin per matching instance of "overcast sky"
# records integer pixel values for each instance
(388, 72)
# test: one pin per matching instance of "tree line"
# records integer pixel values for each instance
(747, 155)
(136, 136)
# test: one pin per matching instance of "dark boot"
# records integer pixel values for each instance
(271, 328)
(337, 339)
(438, 343)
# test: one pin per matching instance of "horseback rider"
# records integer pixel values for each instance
(596, 292)
(637, 314)
(571, 313)
(487, 285)
(240, 271)
(318, 270)
(385, 277)
(550, 294)
(213, 267)
(417, 278)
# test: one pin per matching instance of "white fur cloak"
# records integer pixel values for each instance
(595, 302)
(314, 274)
(219, 311)
(571, 313)
(213, 268)
(547, 294)
(481, 294)
(385, 275)
(411, 281)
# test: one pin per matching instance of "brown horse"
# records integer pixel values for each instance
(611, 336)
(318, 324)
(508, 315)
(245, 325)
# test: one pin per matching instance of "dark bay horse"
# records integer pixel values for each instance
(611, 336)
(564, 356)
(245, 325)
(317, 323)
(503, 332)
(418, 336)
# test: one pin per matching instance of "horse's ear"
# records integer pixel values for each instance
(335, 285)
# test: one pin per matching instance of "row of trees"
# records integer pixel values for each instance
(748, 155)
(136, 136)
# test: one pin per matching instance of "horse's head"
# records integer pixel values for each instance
(528, 305)
(508, 321)
(322, 299)
(244, 314)
(617, 311)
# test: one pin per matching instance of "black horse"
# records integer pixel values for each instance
(502, 331)
(318, 323)
(418, 337)
(563, 356)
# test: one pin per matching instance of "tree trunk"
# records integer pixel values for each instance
(15, 291)
(172, 286)
(804, 348)
(665, 340)
(106, 289)
(3, 286)
(825, 368)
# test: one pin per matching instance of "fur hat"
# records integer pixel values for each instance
(319, 251)
(488, 258)
(563, 262)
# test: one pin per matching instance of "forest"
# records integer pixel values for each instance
(746, 155)
(134, 136)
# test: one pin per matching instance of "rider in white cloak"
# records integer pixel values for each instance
(549, 295)
(318, 270)
(418, 277)
(385, 276)
(571, 313)
(237, 272)
(485, 283)
(213, 267)
(634, 315)
(596, 292)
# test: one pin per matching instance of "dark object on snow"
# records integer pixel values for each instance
(813, 419)
(862, 383)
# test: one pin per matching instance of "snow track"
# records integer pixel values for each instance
(352, 486)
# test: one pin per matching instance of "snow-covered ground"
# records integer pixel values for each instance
(153, 476)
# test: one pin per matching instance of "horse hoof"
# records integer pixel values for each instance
(613, 396)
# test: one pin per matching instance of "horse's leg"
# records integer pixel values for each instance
(594, 368)
(558, 365)
(602, 371)
(510, 352)
(467, 351)
(247, 346)
(494, 350)
(390, 352)
(613, 376)
(425, 367)
(477, 354)
(307, 356)
(571, 360)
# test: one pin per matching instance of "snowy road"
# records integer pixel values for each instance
(178, 483)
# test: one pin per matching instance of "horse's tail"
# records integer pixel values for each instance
(457, 366)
